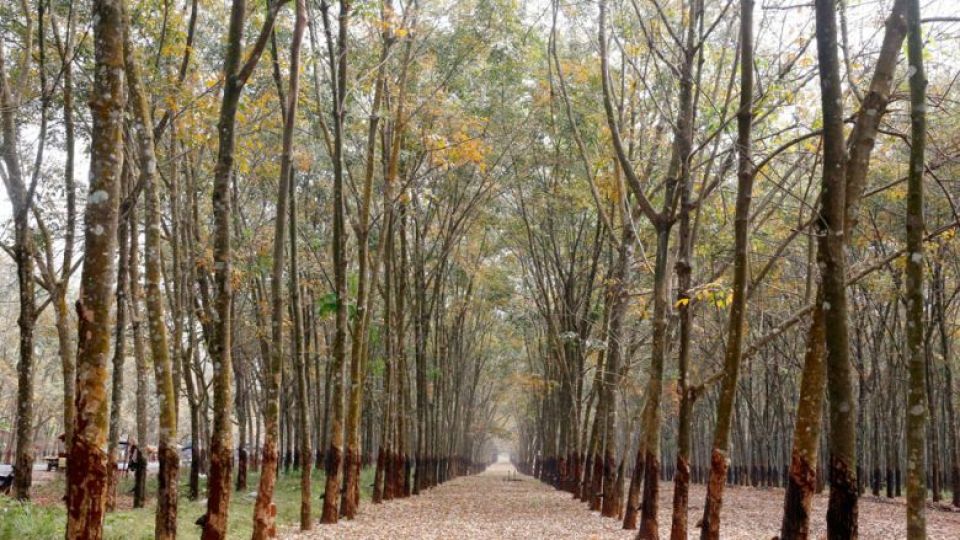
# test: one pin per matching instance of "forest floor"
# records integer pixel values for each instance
(490, 506)
(44, 517)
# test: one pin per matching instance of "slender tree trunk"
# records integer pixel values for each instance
(933, 425)
(393, 338)
(736, 327)
(403, 396)
(194, 400)
(842, 513)
(650, 417)
(367, 270)
(301, 368)
(140, 358)
(119, 355)
(65, 338)
(338, 66)
(21, 199)
(264, 512)
(954, 449)
(221, 447)
(243, 423)
(616, 343)
(196, 458)
(165, 525)
(916, 414)
(802, 480)
(420, 362)
(300, 364)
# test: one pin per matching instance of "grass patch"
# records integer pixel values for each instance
(45, 517)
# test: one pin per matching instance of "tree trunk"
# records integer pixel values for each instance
(21, 199)
(953, 455)
(916, 414)
(221, 446)
(803, 475)
(140, 358)
(166, 513)
(300, 363)
(301, 368)
(736, 327)
(618, 296)
(264, 512)
(842, 512)
(120, 346)
(367, 271)
(65, 337)
(650, 419)
(802, 481)
(338, 67)
(88, 473)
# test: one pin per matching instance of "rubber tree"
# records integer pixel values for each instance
(87, 481)
(677, 173)
(165, 524)
(132, 222)
(236, 73)
(393, 334)
(802, 477)
(916, 413)
(736, 327)
(338, 78)
(264, 511)
(20, 191)
(56, 282)
(842, 512)
(368, 270)
(120, 335)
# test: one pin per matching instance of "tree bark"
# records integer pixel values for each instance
(618, 296)
(120, 345)
(301, 369)
(140, 357)
(367, 270)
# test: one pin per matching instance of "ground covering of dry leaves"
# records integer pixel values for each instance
(489, 506)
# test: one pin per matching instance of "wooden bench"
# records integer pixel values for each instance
(55, 463)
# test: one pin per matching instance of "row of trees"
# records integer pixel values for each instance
(676, 275)
(636, 234)
(288, 229)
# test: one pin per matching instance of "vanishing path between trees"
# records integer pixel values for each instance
(499, 504)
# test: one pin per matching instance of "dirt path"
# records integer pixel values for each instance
(489, 506)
